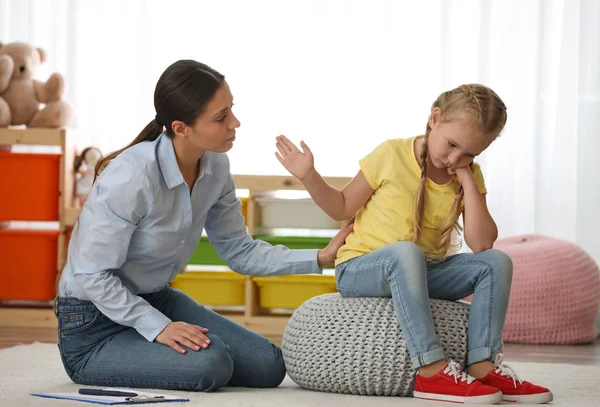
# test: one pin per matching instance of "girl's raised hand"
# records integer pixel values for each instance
(299, 163)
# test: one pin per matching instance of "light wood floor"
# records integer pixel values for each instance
(579, 354)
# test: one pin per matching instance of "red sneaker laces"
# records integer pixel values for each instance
(505, 370)
(455, 370)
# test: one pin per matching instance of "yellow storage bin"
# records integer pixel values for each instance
(217, 288)
(292, 291)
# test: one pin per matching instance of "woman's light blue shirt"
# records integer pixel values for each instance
(140, 226)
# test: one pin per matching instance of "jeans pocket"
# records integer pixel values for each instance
(349, 293)
(77, 322)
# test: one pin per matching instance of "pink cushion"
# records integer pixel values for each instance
(555, 291)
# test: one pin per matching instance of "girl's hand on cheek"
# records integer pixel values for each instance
(463, 174)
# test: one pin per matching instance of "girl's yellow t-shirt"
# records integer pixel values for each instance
(392, 170)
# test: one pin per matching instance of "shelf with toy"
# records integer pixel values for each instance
(36, 185)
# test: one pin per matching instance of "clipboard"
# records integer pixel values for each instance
(141, 398)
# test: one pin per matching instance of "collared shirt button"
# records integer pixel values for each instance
(183, 242)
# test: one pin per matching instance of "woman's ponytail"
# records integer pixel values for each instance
(150, 133)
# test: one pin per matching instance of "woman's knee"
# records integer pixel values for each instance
(213, 366)
(271, 371)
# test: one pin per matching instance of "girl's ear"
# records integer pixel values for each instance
(435, 117)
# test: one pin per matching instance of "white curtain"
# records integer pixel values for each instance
(345, 75)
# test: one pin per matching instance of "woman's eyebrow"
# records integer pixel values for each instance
(220, 112)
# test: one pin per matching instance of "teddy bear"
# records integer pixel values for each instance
(21, 94)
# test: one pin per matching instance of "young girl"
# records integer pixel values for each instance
(407, 197)
(119, 322)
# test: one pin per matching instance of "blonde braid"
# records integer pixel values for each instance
(468, 89)
(451, 223)
(420, 195)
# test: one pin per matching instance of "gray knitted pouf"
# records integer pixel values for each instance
(355, 345)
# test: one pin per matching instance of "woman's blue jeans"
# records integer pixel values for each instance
(96, 351)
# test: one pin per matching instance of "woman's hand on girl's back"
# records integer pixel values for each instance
(299, 163)
(178, 334)
(326, 257)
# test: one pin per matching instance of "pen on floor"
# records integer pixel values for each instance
(110, 393)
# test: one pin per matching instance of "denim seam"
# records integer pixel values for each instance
(68, 369)
(490, 313)
(401, 300)
(488, 268)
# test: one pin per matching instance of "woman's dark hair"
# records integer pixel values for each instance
(181, 93)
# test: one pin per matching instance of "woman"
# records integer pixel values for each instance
(120, 324)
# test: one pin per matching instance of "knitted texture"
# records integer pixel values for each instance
(355, 345)
(555, 291)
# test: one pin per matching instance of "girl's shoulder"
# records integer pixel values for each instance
(400, 144)
(399, 148)
(389, 158)
(397, 144)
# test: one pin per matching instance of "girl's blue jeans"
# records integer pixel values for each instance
(96, 351)
(400, 270)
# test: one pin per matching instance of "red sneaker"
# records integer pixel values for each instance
(514, 389)
(453, 385)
